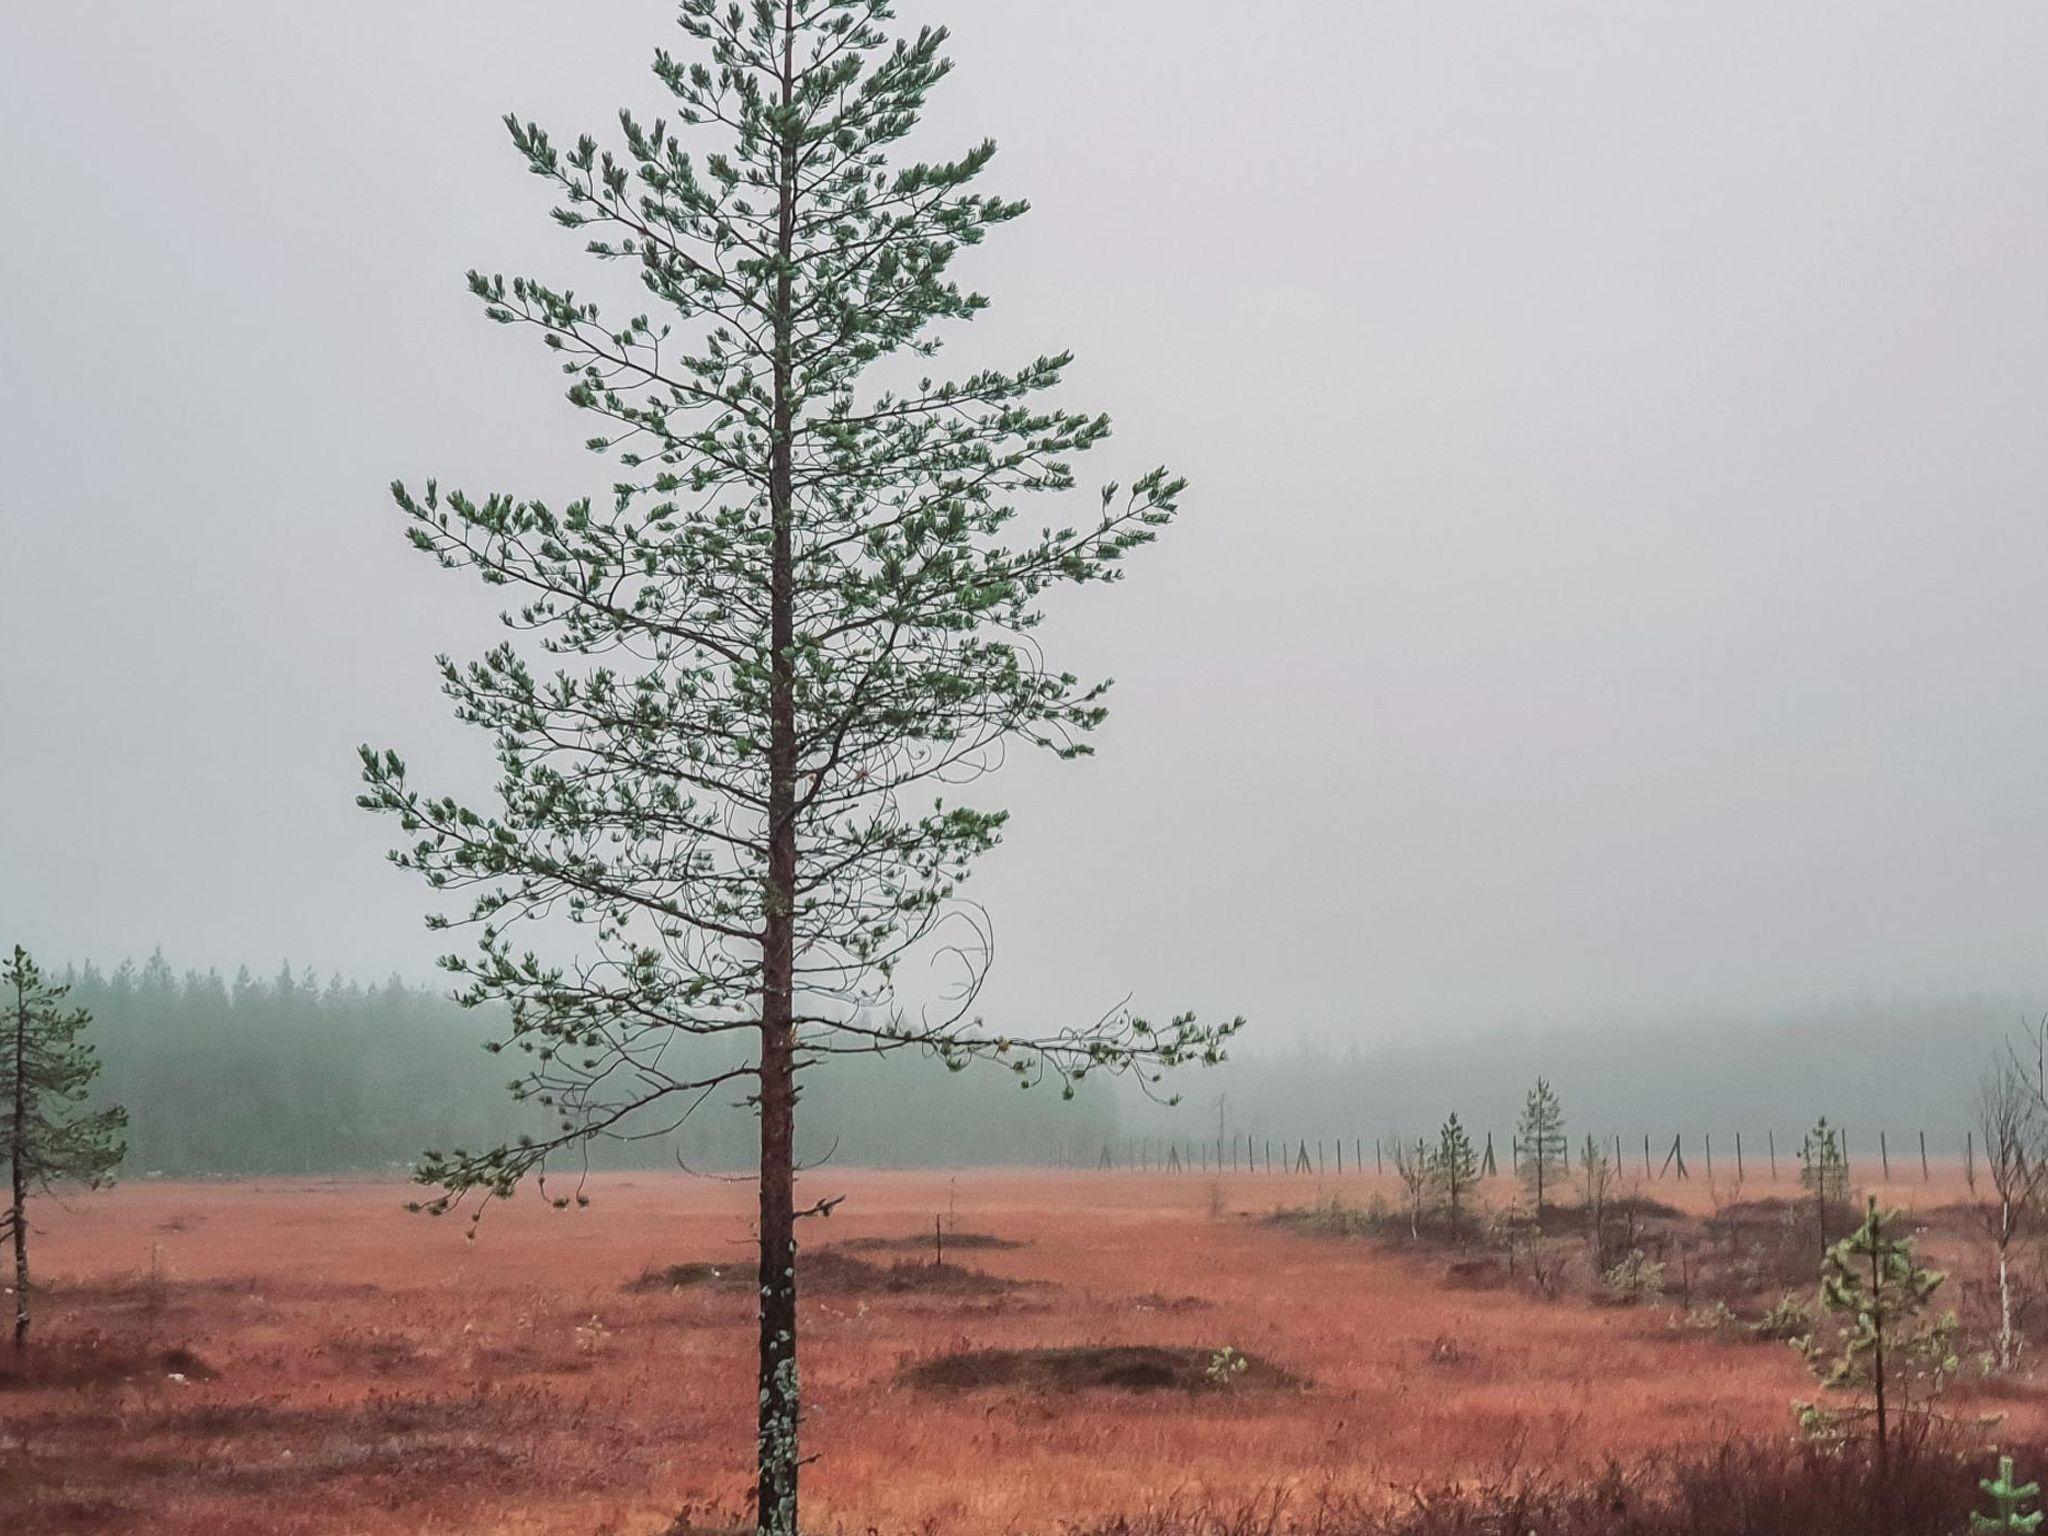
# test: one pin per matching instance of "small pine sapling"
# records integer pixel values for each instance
(1882, 1341)
(2010, 1500)
(1596, 1183)
(1824, 1173)
(1545, 1152)
(1455, 1171)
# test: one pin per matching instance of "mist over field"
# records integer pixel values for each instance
(330, 1075)
(1901, 1066)
(1609, 582)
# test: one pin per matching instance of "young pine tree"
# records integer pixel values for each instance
(46, 1072)
(1882, 1341)
(799, 619)
(1545, 1152)
(1455, 1169)
(1596, 1183)
(1824, 1173)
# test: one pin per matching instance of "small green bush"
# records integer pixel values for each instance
(1634, 1280)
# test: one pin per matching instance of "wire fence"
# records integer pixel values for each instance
(1658, 1155)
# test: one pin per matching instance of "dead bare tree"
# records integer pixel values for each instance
(1416, 1169)
(2012, 1114)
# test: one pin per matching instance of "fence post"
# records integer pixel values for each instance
(1710, 1153)
(1738, 1157)
(1924, 1174)
(1675, 1155)
(1884, 1154)
(1646, 1154)
(1772, 1138)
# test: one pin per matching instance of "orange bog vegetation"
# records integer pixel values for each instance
(305, 1356)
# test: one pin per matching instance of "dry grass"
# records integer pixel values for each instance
(373, 1373)
(1772, 1487)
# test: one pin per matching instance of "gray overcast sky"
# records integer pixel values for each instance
(1614, 570)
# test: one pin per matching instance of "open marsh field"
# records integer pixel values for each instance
(295, 1356)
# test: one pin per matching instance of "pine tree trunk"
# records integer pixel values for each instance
(1877, 1361)
(778, 1459)
(17, 1162)
(18, 1222)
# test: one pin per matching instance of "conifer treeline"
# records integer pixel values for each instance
(292, 1074)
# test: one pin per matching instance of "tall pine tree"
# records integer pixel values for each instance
(46, 1074)
(799, 620)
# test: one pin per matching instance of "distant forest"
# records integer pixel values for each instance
(298, 1075)
(292, 1074)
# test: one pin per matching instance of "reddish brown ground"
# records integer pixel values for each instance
(362, 1370)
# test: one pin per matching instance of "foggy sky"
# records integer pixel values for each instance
(1613, 577)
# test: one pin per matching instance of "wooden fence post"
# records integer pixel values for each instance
(1884, 1154)
(1924, 1174)
(1675, 1155)
(1772, 1138)
(1738, 1157)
